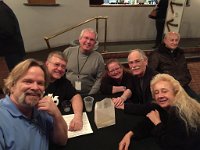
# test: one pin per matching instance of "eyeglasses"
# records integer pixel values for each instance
(115, 69)
(137, 61)
(58, 65)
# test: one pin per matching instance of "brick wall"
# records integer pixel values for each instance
(194, 68)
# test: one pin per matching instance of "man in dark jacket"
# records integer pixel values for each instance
(11, 42)
(170, 59)
(142, 76)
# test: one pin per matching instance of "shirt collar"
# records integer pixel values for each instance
(12, 108)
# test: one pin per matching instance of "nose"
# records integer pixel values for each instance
(160, 95)
(60, 67)
(132, 65)
(35, 86)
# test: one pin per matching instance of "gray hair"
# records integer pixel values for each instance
(141, 52)
(88, 30)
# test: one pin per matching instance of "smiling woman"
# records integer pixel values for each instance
(174, 120)
(116, 80)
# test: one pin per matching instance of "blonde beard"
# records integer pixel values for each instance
(32, 103)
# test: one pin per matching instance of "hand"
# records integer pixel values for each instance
(118, 101)
(76, 124)
(47, 104)
(117, 89)
(154, 116)
(125, 142)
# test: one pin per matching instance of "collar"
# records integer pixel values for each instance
(13, 110)
(164, 50)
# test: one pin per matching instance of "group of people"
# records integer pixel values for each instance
(32, 87)
(159, 90)
(28, 107)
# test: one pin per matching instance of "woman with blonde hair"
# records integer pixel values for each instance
(173, 119)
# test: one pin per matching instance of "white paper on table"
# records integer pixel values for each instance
(104, 113)
(86, 126)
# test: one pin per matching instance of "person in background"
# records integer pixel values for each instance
(173, 119)
(29, 120)
(11, 42)
(85, 66)
(170, 59)
(142, 75)
(160, 21)
(62, 88)
(116, 80)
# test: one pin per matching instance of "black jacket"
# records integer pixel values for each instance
(170, 134)
(173, 62)
(10, 36)
(141, 96)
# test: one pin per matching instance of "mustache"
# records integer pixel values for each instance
(134, 68)
(37, 93)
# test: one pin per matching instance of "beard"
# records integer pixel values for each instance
(27, 100)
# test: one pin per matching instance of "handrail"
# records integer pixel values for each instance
(47, 38)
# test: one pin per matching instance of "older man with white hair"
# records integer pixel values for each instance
(170, 59)
(142, 76)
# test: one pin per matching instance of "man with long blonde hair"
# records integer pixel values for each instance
(29, 120)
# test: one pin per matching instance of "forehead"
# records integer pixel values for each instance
(172, 36)
(163, 85)
(134, 56)
(113, 64)
(56, 58)
(89, 34)
(35, 73)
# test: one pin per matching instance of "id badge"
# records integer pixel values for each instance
(78, 85)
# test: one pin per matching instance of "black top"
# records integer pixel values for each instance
(107, 83)
(62, 88)
(141, 92)
(10, 36)
(170, 134)
(162, 9)
(173, 63)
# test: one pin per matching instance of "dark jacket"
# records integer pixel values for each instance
(173, 62)
(142, 95)
(170, 134)
(10, 36)
(107, 83)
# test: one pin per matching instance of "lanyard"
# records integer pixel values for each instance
(79, 70)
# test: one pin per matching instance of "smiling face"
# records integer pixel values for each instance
(87, 41)
(28, 90)
(56, 67)
(171, 40)
(137, 63)
(163, 93)
(115, 71)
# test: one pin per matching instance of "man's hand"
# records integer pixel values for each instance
(47, 104)
(118, 101)
(76, 124)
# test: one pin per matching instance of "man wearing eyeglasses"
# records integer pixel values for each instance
(142, 75)
(85, 66)
(61, 89)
